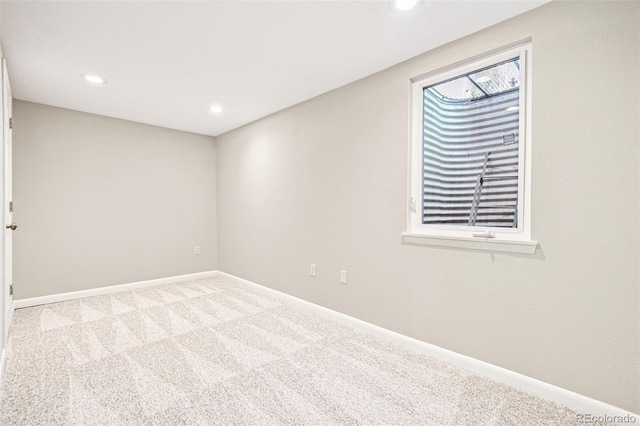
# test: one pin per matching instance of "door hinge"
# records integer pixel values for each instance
(10, 206)
(11, 123)
(11, 290)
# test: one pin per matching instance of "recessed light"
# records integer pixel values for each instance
(93, 79)
(512, 108)
(216, 109)
(483, 79)
(405, 4)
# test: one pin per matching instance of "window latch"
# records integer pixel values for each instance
(485, 234)
(412, 204)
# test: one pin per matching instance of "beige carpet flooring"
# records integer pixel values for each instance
(215, 352)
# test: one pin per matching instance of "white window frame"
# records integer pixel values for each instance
(516, 240)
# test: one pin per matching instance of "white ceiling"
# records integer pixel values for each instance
(166, 62)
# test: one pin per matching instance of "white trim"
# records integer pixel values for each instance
(477, 58)
(573, 400)
(509, 246)
(9, 316)
(462, 236)
(3, 363)
(3, 357)
(60, 297)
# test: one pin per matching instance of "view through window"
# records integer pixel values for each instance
(471, 142)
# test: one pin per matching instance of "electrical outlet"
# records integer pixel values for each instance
(197, 250)
(312, 270)
(343, 277)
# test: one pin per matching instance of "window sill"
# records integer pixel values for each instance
(521, 247)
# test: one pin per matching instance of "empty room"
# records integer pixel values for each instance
(407, 212)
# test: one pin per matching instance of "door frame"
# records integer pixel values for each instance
(7, 194)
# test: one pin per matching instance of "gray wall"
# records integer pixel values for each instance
(325, 182)
(101, 201)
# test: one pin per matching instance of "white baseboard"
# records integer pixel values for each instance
(61, 297)
(575, 401)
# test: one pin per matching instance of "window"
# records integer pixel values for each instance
(470, 154)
